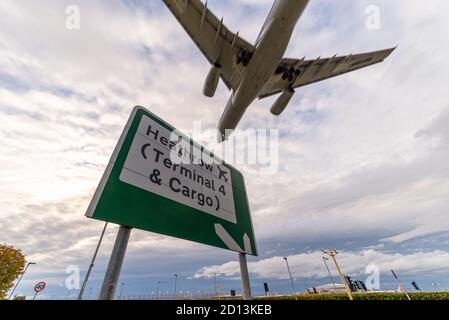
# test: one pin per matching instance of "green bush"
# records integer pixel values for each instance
(368, 296)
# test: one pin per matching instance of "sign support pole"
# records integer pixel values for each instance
(245, 277)
(115, 264)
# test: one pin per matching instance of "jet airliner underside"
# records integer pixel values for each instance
(260, 70)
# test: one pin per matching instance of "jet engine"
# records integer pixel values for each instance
(212, 79)
(282, 102)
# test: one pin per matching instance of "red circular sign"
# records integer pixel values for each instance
(39, 287)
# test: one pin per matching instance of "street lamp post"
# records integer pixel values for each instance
(176, 283)
(215, 285)
(157, 288)
(89, 270)
(291, 279)
(121, 291)
(328, 271)
(21, 276)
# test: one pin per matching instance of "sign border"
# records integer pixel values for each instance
(43, 282)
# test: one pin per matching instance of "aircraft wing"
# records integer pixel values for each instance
(293, 73)
(213, 38)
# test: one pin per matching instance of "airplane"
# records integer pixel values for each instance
(259, 71)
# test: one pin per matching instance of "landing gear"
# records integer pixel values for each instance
(244, 57)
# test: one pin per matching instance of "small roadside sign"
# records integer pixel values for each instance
(39, 287)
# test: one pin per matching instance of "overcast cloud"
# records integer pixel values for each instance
(363, 159)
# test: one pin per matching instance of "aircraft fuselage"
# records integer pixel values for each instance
(270, 48)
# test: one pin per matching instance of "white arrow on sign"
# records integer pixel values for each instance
(230, 242)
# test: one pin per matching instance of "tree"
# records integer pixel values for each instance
(12, 264)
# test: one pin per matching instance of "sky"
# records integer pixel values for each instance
(363, 159)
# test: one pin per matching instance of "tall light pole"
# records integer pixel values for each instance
(80, 295)
(333, 254)
(21, 276)
(328, 271)
(157, 287)
(291, 279)
(176, 283)
(121, 291)
(215, 285)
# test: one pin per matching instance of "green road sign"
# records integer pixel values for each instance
(161, 181)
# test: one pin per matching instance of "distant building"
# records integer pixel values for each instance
(326, 289)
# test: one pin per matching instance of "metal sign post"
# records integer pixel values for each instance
(115, 264)
(245, 277)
